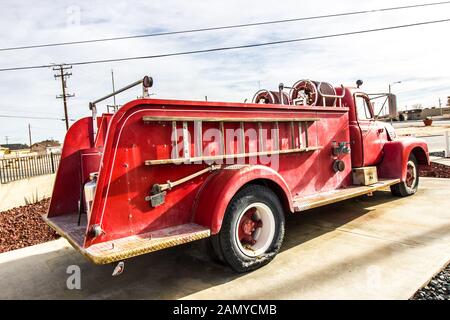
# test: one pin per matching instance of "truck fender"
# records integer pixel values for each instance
(396, 154)
(216, 193)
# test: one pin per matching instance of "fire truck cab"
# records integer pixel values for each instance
(157, 173)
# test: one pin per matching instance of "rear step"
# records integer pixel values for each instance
(124, 248)
(321, 199)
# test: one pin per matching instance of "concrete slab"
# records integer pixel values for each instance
(444, 161)
(25, 191)
(377, 247)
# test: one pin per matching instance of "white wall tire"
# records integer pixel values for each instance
(261, 232)
(411, 183)
(252, 229)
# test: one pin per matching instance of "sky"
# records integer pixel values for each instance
(417, 56)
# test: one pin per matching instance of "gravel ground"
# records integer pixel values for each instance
(435, 170)
(437, 289)
(23, 226)
(437, 154)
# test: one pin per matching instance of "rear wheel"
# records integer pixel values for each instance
(411, 183)
(252, 229)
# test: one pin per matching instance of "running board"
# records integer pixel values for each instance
(321, 199)
(124, 248)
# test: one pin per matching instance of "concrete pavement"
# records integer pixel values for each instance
(377, 247)
(435, 143)
(441, 160)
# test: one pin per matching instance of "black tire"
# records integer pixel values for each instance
(225, 243)
(214, 250)
(403, 189)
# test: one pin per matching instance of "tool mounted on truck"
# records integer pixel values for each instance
(158, 173)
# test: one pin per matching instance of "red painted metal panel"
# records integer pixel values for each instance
(124, 181)
(66, 190)
(396, 154)
(223, 185)
(125, 142)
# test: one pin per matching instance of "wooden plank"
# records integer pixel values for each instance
(198, 138)
(186, 141)
(222, 139)
(306, 135)
(175, 152)
(241, 137)
(277, 137)
(261, 145)
(293, 146)
(300, 134)
(227, 156)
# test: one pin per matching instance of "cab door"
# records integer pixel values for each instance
(371, 132)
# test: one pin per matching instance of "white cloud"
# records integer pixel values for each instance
(418, 56)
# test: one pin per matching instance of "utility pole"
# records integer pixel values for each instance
(6, 138)
(29, 133)
(61, 73)
(114, 106)
(113, 87)
(440, 107)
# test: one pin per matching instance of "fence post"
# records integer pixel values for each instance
(53, 163)
(447, 145)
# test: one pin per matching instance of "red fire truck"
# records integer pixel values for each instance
(158, 173)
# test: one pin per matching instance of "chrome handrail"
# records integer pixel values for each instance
(338, 97)
(147, 82)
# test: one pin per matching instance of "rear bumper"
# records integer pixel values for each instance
(128, 247)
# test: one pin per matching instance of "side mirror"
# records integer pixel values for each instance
(392, 100)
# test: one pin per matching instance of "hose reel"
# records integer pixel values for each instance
(270, 97)
(303, 92)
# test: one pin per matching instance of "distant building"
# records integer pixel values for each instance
(4, 151)
(414, 114)
(15, 146)
(420, 114)
(46, 146)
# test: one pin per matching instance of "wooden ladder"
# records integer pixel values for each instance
(298, 127)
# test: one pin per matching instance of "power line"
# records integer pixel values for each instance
(14, 110)
(182, 53)
(30, 117)
(222, 27)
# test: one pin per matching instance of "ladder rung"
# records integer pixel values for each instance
(175, 152)
(198, 136)
(186, 141)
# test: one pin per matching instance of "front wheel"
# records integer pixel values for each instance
(252, 229)
(411, 183)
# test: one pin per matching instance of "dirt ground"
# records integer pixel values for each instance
(435, 170)
(23, 226)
